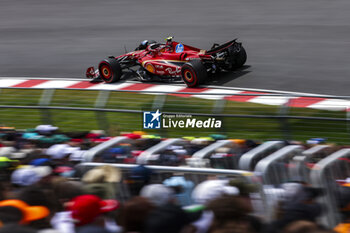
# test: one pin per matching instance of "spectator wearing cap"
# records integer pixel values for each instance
(26, 213)
(61, 152)
(158, 194)
(344, 226)
(205, 192)
(36, 196)
(7, 148)
(182, 187)
(29, 175)
(138, 178)
(102, 181)
(46, 129)
(87, 213)
(6, 167)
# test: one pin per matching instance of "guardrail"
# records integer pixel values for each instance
(325, 175)
(120, 110)
(274, 168)
(195, 175)
(252, 157)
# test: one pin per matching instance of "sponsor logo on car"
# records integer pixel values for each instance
(179, 48)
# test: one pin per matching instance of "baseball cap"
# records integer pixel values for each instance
(158, 194)
(39, 162)
(77, 155)
(30, 213)
(141, 172)
(5, 162)
(29, 175)
(103, 174)
(211, 189)
(86, 208)
(45, 128)
(59, 151)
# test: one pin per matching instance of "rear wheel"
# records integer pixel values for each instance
(194, 73)
(110, 70)
(237, 56)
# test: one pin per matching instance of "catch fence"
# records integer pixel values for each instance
(121, 111)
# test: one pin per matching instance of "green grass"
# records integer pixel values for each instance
(117, 122)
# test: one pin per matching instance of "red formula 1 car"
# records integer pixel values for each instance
(171, 61)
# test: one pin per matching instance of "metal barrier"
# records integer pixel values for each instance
(90, 154)
(324, 175)
(196, 175)
(301, 165)
(209, 149)
(148, 155)
(249, 160)
(274, 168)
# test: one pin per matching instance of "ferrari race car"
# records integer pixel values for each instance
(171, 61)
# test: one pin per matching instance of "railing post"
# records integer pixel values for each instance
(158, 103)
(101, 102)
(45, 100)
(218, 108)
(283, 112)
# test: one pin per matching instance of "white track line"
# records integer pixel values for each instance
(103, 86)
(163, 88)
(55, 84)
(331, 104)
(11, 82)
(216, 91)
(271, 100)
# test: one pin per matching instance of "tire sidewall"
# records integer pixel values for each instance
(105, 65)
(237, 58)
(113, 68)
(198, 73)
(187, 69)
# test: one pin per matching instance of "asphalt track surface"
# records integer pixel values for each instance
(292, 45)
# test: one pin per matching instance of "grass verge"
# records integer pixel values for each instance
(240, 126)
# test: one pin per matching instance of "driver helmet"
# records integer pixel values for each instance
(145, 43)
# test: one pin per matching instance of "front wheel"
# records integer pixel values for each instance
(110, 70)
(194, 73)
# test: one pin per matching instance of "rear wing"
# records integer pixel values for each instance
(219, 48)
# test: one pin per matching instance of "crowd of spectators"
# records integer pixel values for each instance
(43, 190)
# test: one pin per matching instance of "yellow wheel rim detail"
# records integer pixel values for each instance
(188, 76)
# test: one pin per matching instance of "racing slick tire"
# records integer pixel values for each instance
(238, 56)
(110, 70)
(194, 73)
